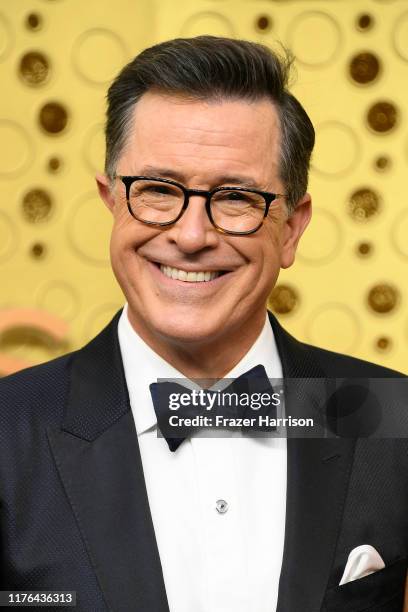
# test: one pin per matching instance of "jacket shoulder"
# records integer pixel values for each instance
(39, 394)
(35, 391)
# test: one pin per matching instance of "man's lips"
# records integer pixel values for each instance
(187, 275)
(197, 267)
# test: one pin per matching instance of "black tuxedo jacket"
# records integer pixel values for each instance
(74, 512)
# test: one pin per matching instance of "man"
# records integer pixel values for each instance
(206, 177)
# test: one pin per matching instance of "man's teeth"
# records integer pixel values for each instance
(190, 277)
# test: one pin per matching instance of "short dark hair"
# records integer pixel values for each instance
(208, 67)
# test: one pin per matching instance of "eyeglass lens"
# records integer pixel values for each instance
(157, 202)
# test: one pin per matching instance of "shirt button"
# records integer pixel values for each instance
(221, 506)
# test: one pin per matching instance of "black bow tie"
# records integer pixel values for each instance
(255, 381)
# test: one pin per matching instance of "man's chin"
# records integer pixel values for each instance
(188, 332)
(178, 326)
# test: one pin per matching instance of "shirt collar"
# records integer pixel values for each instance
(144, 366)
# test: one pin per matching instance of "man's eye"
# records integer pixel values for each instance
(235, 195)
(238, 197)
(232, 196)
(159, 189)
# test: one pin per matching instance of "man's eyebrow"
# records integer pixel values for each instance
(226, 179)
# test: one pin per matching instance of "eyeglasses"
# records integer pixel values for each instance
(231, 210)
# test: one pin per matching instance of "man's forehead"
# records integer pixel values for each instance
(229, 134)
(210, 117)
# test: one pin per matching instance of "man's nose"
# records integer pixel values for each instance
(194, 231)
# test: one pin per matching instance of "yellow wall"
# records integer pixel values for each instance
(348, 289)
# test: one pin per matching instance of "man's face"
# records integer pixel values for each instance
(202, 145)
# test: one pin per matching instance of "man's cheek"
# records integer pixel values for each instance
(273, 233)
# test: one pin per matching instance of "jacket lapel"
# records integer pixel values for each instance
(98, 459)
(318, 474)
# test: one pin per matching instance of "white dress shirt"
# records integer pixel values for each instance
(212, 561)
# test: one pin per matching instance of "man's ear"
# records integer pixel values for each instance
(294, 227)
(104, 188)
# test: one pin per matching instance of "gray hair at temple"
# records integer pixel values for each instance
(208, 68)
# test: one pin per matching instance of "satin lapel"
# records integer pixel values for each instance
(98, 459)
(317, 481)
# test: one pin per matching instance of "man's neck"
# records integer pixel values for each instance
(201, 360)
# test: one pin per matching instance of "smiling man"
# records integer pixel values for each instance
(206, 174)
(196, 288)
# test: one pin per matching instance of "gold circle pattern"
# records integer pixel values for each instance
(98, 54)
(38, 250)
(59, 298)
(94, 147)
(382, 163)
(325, 322)
(399, 233)
(283, 299)
(5, 37)
(364, 22)
(364, 67)
(337, 157)
(400, 36)
(33, 21)
(382, 117)
(54, 164)
(383, 298)
(263, 23)
(383, 343)
(364, 249)
(203, 23)
(8, 237)
(322, 241)
(37, 205)
(337, 149)
(91, 247)
(34, 68)
(53, 117)
(314, 37)
(364, 204)
(14, 158)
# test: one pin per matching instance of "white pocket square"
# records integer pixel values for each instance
(362, 561)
